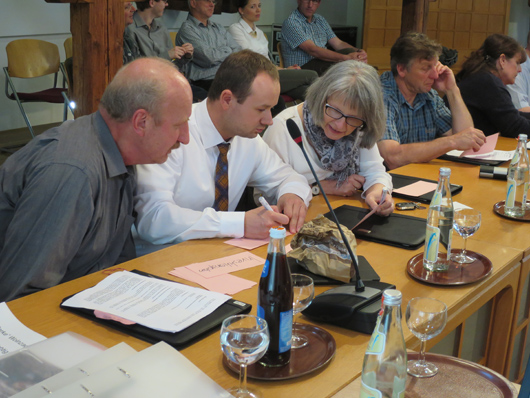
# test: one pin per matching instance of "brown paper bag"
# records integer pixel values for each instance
(318, 247)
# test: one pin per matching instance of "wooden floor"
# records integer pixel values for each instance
(17, 138)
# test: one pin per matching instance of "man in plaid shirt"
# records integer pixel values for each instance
(305, 36)
(420, 127)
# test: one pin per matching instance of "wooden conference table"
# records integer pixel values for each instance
(41, 311)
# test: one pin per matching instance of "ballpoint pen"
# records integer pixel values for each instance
(265, 204)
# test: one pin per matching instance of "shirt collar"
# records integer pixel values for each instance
(419, 100)
(246, 26)
(196, 22)
(302, 17)
(208, 133)
(111, 153)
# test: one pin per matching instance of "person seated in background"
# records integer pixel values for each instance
(520, 90)
(66, 204)
(341, 121)
(482, 81)
(305, 36)
(419, 126)
(195, 193)
(148, 37)
(152, 37)
(211, 41)
(130, 48)
(293, 80)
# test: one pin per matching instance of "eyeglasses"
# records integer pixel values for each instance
(353, 121)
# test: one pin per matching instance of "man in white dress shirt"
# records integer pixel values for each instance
(175, 201)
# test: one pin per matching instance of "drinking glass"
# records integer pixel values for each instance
(244, 340)
(466, 222)
(426, 318)
(303, 293)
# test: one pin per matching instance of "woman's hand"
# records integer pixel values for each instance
(348, 187)
(373, 197)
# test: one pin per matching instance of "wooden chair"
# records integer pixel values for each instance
(173, 36)
(279, 48)
(30, 58)
(68, 47)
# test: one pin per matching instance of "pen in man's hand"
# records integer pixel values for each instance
(265, 204)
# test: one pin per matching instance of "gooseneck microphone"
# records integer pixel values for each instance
(352, 307)
(294, 131)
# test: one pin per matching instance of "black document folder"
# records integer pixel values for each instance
(399, 181)
(396, 230)
(480, 162)
(365, 269)
(180, 339)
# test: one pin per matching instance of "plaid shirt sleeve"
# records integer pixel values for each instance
(443, 118)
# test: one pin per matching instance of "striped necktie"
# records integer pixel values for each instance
(221, 179)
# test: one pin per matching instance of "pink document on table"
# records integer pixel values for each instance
(226, 284)
(488, 147)
(221, 266)
(416, 189)
(250, 244)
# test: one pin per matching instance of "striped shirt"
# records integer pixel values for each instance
(428, 119)
(296, 30)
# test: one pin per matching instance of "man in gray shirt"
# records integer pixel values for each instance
(210, 40)
(66, 206)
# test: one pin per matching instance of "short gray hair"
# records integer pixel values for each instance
(358, 83)
(123, 96)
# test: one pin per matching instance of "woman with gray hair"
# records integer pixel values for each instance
(341, 121)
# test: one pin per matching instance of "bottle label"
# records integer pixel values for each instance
(376, 345)
(432, 241)
(265, 271)
(510, 194)
(525, 194)
(515, 158)
(369, 392)
(286, 330)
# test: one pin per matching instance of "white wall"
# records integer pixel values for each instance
(40, 20)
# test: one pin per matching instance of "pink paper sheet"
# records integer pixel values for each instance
(221, 266)
(489, 146)
(247, 244)
(226, 284)
(417, 188)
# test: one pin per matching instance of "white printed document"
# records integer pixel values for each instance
(157, 304)
(13, 334)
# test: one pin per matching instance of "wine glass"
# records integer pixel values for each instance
(244, 340)
(426, 318)
(466, 222)
(303, 292)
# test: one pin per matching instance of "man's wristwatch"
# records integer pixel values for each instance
(315, 189)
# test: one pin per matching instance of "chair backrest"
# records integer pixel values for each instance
(173, 35)
(68, 48)
(279, 48)
(28, 58)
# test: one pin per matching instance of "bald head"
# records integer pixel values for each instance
(142, 84)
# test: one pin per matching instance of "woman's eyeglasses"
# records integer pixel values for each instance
(353, 121)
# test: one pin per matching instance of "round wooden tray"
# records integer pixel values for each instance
(457, 274)
(304, 360)
(458, 378)
(499, 209)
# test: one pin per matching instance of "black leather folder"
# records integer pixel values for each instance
(180, 339)
(399, 181)
(479, 162)
(365, 269)
(396, 230)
